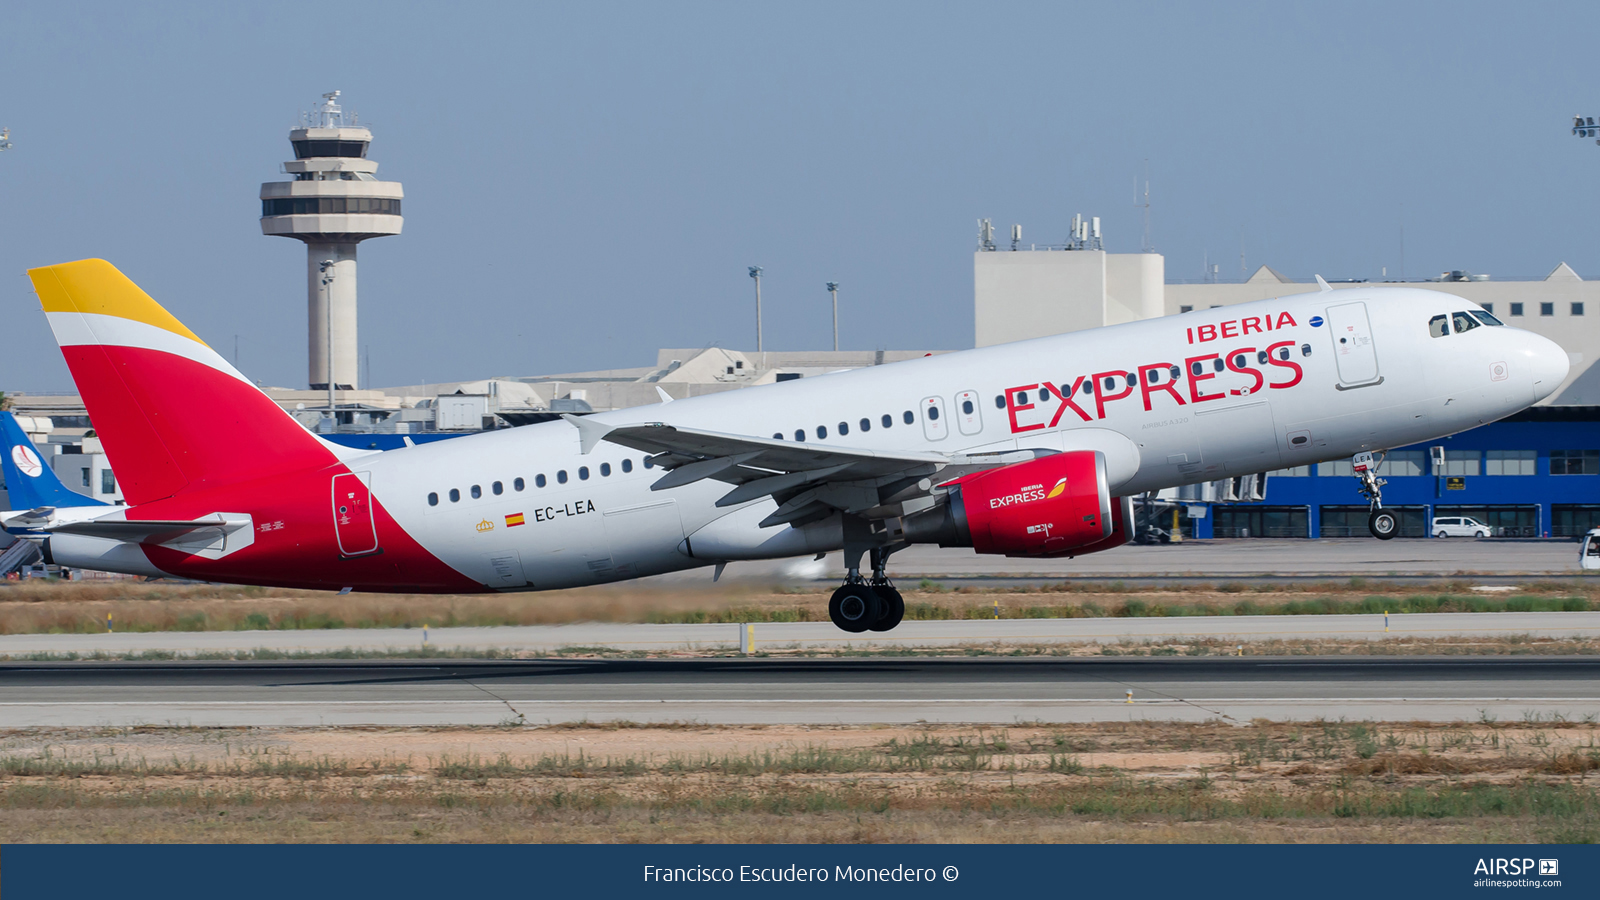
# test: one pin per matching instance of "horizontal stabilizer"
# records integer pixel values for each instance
(213, 536)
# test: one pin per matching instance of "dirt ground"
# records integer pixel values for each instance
(1125, 782)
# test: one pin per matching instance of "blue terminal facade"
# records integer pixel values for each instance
(1535, 474)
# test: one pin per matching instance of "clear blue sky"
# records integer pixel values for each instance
(587, 182)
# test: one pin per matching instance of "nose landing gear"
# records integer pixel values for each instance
(860, 605)
(1383, 524)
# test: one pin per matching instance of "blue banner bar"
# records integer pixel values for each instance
(439, 872)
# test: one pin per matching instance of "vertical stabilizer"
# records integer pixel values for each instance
(30, 482)
(172, 414)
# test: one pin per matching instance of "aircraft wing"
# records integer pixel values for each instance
(809, 481)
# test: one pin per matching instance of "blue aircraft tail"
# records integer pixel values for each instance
(31, 482)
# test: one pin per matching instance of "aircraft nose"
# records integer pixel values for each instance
(1549, 364)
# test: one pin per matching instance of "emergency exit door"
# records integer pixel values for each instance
(353, 521)
(1353, 349)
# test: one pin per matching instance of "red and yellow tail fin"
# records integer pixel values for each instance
(173, 414)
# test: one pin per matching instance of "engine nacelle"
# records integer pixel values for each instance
(1056, 505)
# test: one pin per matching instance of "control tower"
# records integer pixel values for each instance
(334, 202)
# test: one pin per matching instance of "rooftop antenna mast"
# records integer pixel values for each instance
(1144, 204)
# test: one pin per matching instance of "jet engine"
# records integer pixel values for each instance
(1056, 505)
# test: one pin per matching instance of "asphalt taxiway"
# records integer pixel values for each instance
(799, 691)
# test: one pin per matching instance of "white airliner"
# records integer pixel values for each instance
(1029, 449)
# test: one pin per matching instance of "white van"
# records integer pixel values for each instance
(1589, 550)
(1458, 526)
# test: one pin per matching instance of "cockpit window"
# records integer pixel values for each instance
(1486, 318)
(1439, 326)
(1463, 322)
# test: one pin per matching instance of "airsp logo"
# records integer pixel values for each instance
(27, 461)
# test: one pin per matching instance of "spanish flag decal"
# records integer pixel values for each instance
(1054, 492)
(514, 520)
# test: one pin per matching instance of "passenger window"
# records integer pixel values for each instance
(1196, 368)
(455, 496)
(1217, 364)
(844, 428)
(1000, 402)
(561, 476)
(1261, 358)
(1463, 322)
(1486, 318)
(1305, 349)
(777, 435)
(933, 413)
(627, 466)
(1176, 373)
(583, 473)
(1044, 394)
(498, 488)
(476, 492)
(822, 432)
(800, 434)
(649, 463)
(1022, 400)
(605, 470)
(1438, 326)
(433, 499)
(909, 416)
(1088, 386)
(866, 424)
(888, 420)
(1110, 382)
(966, 407)
(1133, 378)
(1284, 353)
(539, 480)
(1239, 360)
(518, 484)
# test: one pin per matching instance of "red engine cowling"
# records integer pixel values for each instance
(1056, 505)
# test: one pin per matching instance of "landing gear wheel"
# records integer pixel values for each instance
(894, 607)
(1383, 524)
(855, 607)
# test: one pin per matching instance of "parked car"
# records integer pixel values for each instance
(1458, 526)
(1589, 550)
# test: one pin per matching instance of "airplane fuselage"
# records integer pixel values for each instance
(1213, 394)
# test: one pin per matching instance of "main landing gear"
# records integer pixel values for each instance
(1381, 522)
(860, 605)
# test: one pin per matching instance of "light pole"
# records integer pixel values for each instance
(833, 288)
(327, 304)
(755, 272)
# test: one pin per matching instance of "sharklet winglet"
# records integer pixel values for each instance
(590, 432)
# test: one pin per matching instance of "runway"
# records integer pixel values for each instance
(799, 691)
(823, 635)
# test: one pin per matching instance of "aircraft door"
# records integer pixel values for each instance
(353, 522)
(969, 418)
(934, 423)
(1353, 349)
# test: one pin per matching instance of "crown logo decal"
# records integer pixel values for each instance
(485, 525)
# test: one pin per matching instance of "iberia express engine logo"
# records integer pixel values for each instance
(1029, 494)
